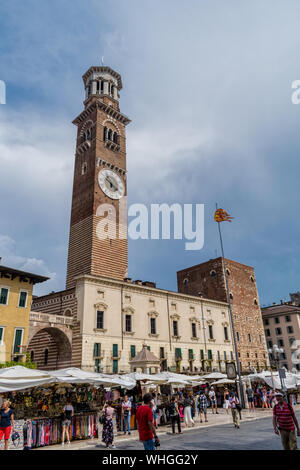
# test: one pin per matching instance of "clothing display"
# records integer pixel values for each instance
(47, 431)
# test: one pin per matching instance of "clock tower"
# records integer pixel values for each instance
(98, 229)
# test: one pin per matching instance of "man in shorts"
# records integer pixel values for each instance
(250, 396)
(202, 406)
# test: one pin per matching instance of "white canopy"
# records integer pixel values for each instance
(223, 381)
(214, 376)
(272, 379)
(21, 378)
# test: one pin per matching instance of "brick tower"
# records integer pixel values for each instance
(99, 179)
(208, 279)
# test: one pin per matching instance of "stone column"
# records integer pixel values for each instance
(105, 88)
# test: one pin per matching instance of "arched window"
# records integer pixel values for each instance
(115, 138)
(213, 273)
(46, 354)
(109, 134)
(105, 133)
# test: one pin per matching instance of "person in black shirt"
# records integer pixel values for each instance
(6, 422)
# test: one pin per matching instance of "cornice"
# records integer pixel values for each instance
(109, 110)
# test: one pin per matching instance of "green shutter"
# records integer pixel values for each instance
(209, 354)
(23, 297)
(18, 339)
(3, 296)
(1, 334)
(115, 366)
(178, 355)
(132, 351)
(201, 354)
(115, 350)
(97, 349)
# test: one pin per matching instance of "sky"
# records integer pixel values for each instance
(207, 86)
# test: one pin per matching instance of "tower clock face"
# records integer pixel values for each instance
(111, 184)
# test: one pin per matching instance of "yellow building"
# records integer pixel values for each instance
(15, 303)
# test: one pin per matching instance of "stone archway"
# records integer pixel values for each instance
(50, 348)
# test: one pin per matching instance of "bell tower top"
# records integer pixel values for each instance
(104, 83)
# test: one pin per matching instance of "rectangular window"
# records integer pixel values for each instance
(278, 331)
(231, 355)
(191, 354)
(210, 331)
(115, 366)
(132, 351)
(1, 335)
(178, 355)
(209, 354)
(201, 354)
(97, 349)
(100, 322)
(237, 336)
(288, 318)
(23, 299)
(18, 341)
(268, 332)
(219, 357)
(266, 321)
(162, 352)
(281, 343)
(225, 356)
(153, 326)
(3, 296)
(290, 329)
(277, 320)
(149, 348)
(226, 333)
(128, 323)
(115, 350)
(249, 338)
(175, 328)
(270, 344)
(194, 330)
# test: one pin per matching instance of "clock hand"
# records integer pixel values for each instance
(111, 183)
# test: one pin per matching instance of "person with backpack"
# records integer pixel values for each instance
(285, 422)
(174, 415)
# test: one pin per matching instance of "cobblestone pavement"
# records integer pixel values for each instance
(256, 432)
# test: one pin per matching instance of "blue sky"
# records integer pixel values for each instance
(208, 88)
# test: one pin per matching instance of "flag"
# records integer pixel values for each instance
(222, 216)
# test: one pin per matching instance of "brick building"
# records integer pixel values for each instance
(208, 280)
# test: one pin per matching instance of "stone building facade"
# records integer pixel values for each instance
(282, 327)
(208, 280)
(116, 318)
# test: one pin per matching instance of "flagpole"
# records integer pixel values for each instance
(231, 320)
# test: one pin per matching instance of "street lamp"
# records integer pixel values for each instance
(276, 351)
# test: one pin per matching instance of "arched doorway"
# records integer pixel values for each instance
(50, 349)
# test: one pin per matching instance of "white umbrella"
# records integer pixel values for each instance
(21, 378)
(223, 381)
(214, 376)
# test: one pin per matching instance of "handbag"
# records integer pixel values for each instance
(102, 419)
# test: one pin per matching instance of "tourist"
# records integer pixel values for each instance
(250, 397)
(146, 429)
(67, 414)
(174, 415)
(234, 404)
(108, 428)
(6, 422)
(202, 406)
(265, 398)
(126, 414)
(213, 400)
(226, 400)
(187, 405)
(284, 422)
(154, 409)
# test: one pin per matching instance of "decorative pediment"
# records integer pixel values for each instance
(101, 306)
(210, 322)
(225, 323)
(175, 316)
(153, 314)
(128, 310)
(194, 320)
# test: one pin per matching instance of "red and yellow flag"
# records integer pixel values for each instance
(222, 216)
